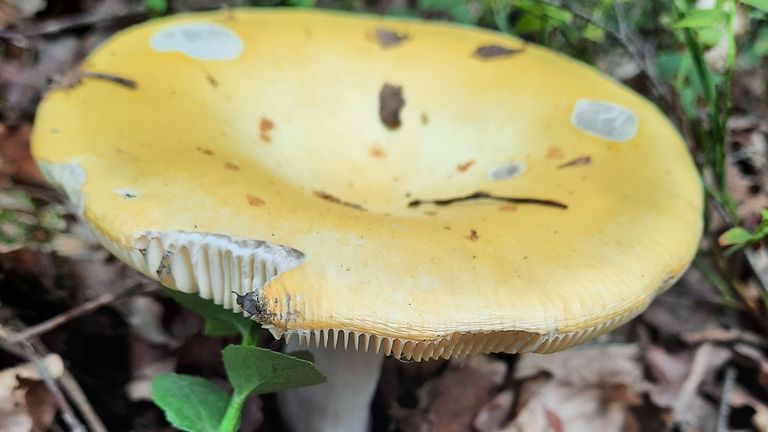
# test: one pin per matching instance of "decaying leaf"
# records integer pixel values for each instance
(677, 379)
(450, 402)
(589, 388)
(391, 102)
(147, 360)
(15, 155)
(494, 414)
(25, 403)
(389, 38)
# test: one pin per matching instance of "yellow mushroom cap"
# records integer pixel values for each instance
(422, 189)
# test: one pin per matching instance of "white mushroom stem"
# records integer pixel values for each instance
(343, 403)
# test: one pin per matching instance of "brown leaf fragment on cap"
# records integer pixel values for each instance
(391, 102)
(492, 51)
(332, 199)
(464, 166)
(473, 235)
(579, 161)
(254, 201)
(388, 38)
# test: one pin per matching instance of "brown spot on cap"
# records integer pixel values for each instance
(254, 201)
(232, 166)
(391, 102)
(388, 38)
(430, 213)
(463, 167)
(554, 152)
(378, 153)
(205, 151)
(508, 208)
(211, 80)
(579, 161)
(332, 199)
(424, 119)
(265, 127)
(493, 51)
(473, 235)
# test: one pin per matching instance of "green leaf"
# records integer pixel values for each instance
(218, 321)
(734, 236)
(698, 18)
(258, 370)
(457, 10)
(593, 33)
(757, 4)
(303, 355)
(764, 214)
(302, 3)
(190, 403)
(156, 7)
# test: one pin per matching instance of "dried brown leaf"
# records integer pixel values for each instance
(588, 388)
(25, 403)
(450, 402)
(677, 379)
(494, 414)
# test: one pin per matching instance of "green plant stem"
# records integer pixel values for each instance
(251, 338)
(727, 101)
(231, 420)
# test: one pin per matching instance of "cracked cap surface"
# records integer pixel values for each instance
(420, 188)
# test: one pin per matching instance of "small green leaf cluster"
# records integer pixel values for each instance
(23, 222)
(195, 404)
(738, 238)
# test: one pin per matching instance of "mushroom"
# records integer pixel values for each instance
(507, 199)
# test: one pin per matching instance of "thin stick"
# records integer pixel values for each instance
(724, 410)
(78, 311)
(760, 271)
(485, 195)
(68, 383)
(67, 414)
(75, 392)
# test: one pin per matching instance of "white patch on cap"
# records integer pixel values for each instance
(506, 171)
(201, 41)
(70, 177)
(126, 193)
(605, 120)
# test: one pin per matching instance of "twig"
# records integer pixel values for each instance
(67, 381)
(67, 414)
(691, 384)
(761, 272)
(485, 195)
(718, 335)
(78, 311)
(75, 392)
(724, 410)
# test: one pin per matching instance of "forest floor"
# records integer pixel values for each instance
(696, 360)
